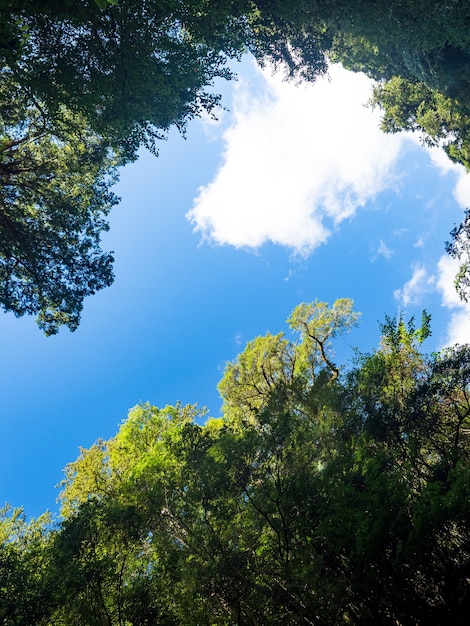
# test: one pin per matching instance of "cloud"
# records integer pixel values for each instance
(446, 166)
(298, 160)
(458, 330)
(384, 250)
(422, 282)
(238, 339)
(448, 269)
(459, 326)
(413, 290)
(462, 189)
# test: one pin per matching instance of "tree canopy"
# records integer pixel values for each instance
(125, 71)
(55, 179)
(84, 86)
(323, 495)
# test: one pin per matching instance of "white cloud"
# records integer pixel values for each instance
(422, 282)
(446, 166)
(459, 326)
(462, 189)
(238, 339)
(413, 290)
(448, 269)
(384, 250)
(298, 160)
(458, 330)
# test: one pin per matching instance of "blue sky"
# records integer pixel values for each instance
(294, 195)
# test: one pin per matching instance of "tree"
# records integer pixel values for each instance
(25, 592)
(134, 69)
(413, 408)
(106, 570)
(123, 507)
(229, 500)
(459, 248)
(272, 362)
(338, 497)
(129, 70)
(412, 106)
(55, 179)
(83, 86)
(423, 72)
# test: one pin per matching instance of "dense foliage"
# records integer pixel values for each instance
(55, 178)
(83, 85)
(321, 496)
(459, 248)
(125, 71)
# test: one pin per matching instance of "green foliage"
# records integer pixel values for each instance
(459, 248)
(119, 73)
(412, 106)
(321, 496)
(317, 325)
(138, 453)
(132, 68)
(95, 54)
(55, 175)
(103, 573)
(273, 363)
(82, 82)
(25, 595)
(418, 50)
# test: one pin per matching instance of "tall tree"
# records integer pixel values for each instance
(336, 498)
(459, 248)
(26, 595)
(80, 80)
(412, 106)
(55, 179)
(318, 497)
(129, 70)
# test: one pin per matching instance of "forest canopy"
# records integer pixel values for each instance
(322, 495)
(126, 71)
